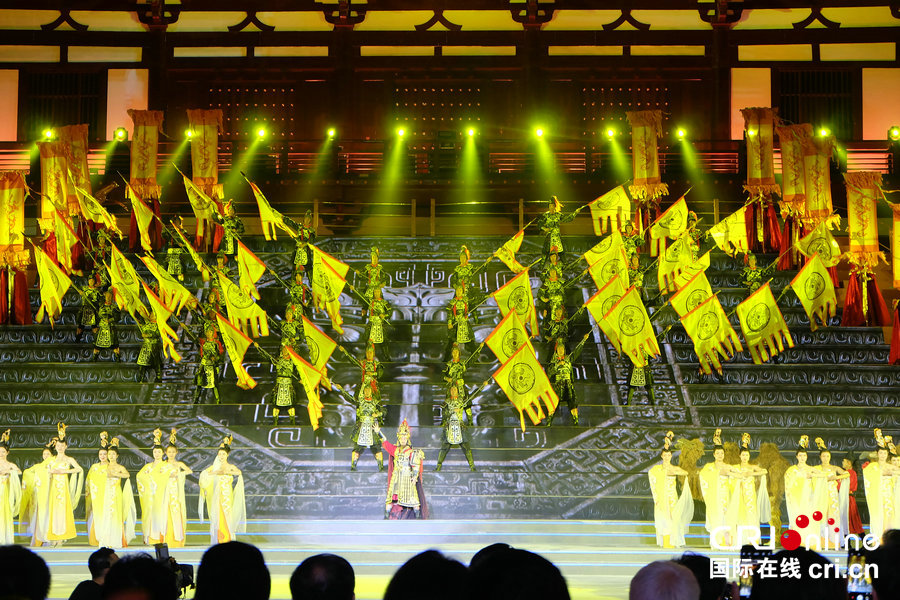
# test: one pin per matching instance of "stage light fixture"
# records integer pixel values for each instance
(751, 132)
(894, 133)
(680, 133)
(261, 132)
(188, 133)
(539, 132)
(824, 132)
(331, 132)
(610, 133)
(121, 134)
(470, 132)
(401, 132)
(49, 134)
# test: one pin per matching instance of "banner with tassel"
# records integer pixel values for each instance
(646, 128)
(817, 151)
(205, 126)
(145, 152)
(763, 325)
(793, 180)
(712, 334)
(863, 191)
(759, 126)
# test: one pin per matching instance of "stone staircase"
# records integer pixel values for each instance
(835, 383)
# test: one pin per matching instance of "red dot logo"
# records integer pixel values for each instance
(831, 521)
(790, 539)
(802, 522)
(817, 516)
(837, 529)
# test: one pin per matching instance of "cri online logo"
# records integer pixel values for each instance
(791, 539)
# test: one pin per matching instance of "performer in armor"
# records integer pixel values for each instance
(557, 328)
(671, 513)
(641, 377)
(456, 368)
(405, 496)
(285, 394)
(559, 371)
(378, 312)
(299, 293)
(552, 293)
(174, 254)
(290, 329)
(211, 357)
(150, 355)
(90, 303)
(459, 330)
(456, 410)
(105, 333)
(233, 229)
(752, 276)
(636, 274)
(371, 371)
(632, 240)
(368, 412)
(550, 221)
(374, 274)
(306, 235)
(464, 275)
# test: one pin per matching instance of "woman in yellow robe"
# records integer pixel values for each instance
(66, 481)
(95, 484)
(223, 497)
(715, 485)
(671, 513)
(749, 505)
(831, 498)
(878, 477)
(10, 492)
(161, 488)
(114, 525)
(800, 482)
(34, 511)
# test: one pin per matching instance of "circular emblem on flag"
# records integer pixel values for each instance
(821, 247)
(673, 252)
(610, 269)
(606, 201)
(238, 298)
(512, 341)
(673, 221)
(696, 298)
(519, 301)
(324, 286)
(708, 325)
(521, 378)
(313, 348)
(604, 245)
(124, 273)
(609, 303)
(814, 286)
(758, 317)
(631, 321)
(53, 278)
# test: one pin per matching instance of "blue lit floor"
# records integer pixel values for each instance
(598, 558)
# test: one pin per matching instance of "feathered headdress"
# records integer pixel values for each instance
(821, 445)
(667, 441)
(61, 430)
(889, 439)
(745, 441)
(717, 440)
(4, 439)
(157, 438)
(173, 441)
(104, 440)
(226, 443)
(114, 444)
(879, 440)
(803, 444)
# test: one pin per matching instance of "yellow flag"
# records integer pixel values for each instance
(94, 211)
(507, 337)
(730, 234)
(162, 314)
(613, 207)
(607, 260)
(673, 262)
(250, 269)
(268, 216)
(310, 378)
(173, 294)
(672, 222)
(328, 279)
(602, 302)
(243, 312)
(201, 266)
(142, 215)
(202, 205)
(507, 252)
(820, 241)
(713, 335)
(319, 344)
(65, 240)
(516, 295)
(633, 327)
(763, 325)
(687, 273)
(815, 289)
(236, 344)
(54, 285)
(692, 294)
(125, 282)
(525, 383)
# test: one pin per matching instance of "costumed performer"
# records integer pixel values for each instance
(34, 511)
(854, 522)
(10, 492)
(94, 487)
(800, 481)
(715, 486)
(66, 481)
(831, 498)
(114, 525)
(672, 513)
(456, 409)
(223, 496)
(405, 497)
(750, 504)
(368, 413)
(562, 377)
(878, 479)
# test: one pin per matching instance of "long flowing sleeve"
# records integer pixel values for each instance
(763, 504)
(844, 507)
(76, 484)
(15, 493)
(683, 515)
(129, 510)
(239, 508)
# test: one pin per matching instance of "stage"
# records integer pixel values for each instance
(597, 558)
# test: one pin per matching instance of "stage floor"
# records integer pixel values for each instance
(597, 558)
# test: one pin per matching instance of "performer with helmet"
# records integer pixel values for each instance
(405, 496)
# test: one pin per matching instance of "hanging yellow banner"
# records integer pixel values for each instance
(793, 180)
(144, 151)
(56, 187)
(863, 191)
(895, 245)
(759, 132)
(12, 214)
(205, 126)
(525, 383)
(817, 152)
(646, 127)
(75, 139)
